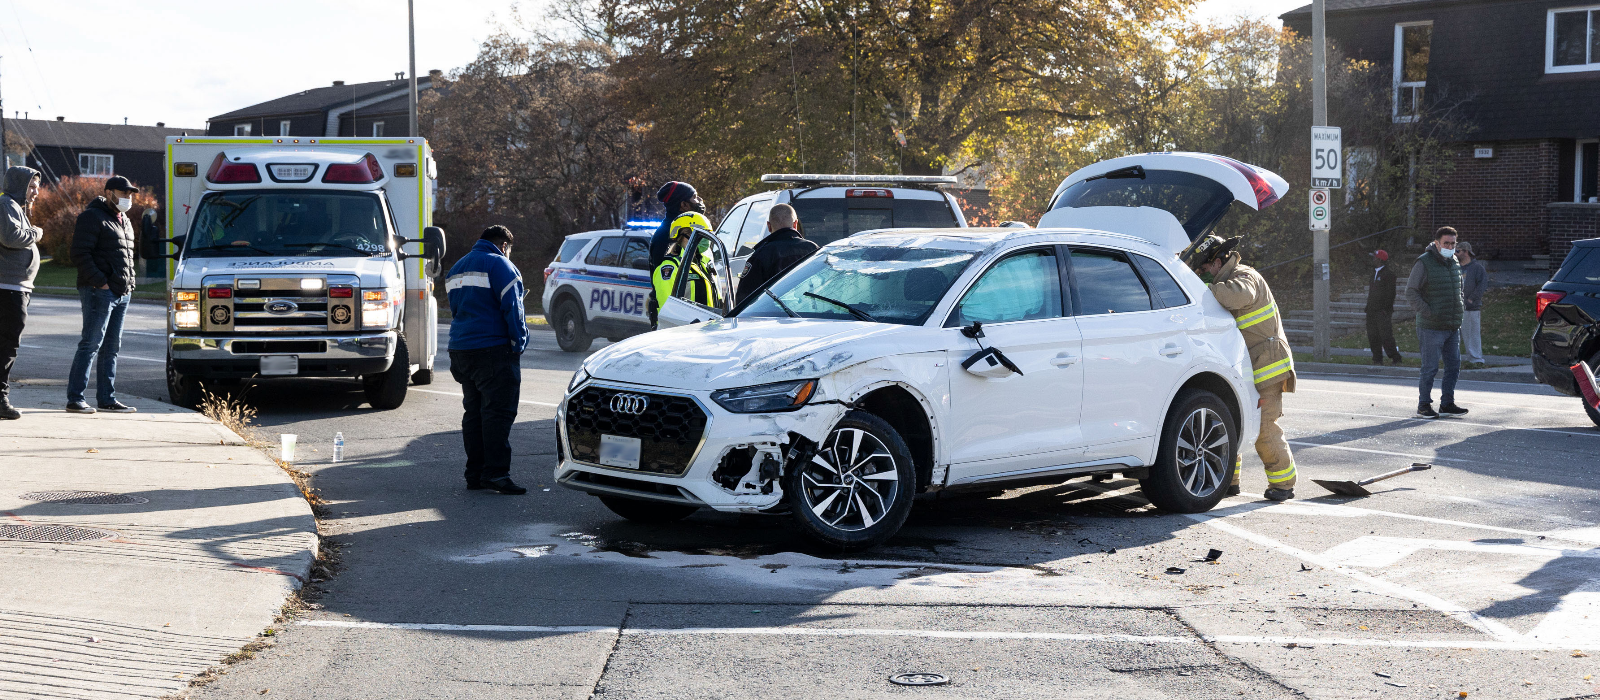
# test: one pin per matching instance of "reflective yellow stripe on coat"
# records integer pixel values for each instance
(1282, 475)
(1257, 316)
(1274, 369)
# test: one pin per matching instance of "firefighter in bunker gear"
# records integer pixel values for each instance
(1244, 293)
(665, 277)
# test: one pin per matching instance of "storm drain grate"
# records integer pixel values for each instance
(52, 533)
(98, 498)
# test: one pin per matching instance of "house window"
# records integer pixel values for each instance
(1572, 40)
(377, 129)
(1411, 40)
(94, 165)
(241, 129)
(1587, 163)
(283, 127)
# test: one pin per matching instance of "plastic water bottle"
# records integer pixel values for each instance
(338, 447)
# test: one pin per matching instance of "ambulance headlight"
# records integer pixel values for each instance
(186, 309)
(376, 308)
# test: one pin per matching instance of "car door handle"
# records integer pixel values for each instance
(1063, 359)
(1171, 349)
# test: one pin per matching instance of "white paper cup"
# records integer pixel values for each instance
(286, 453)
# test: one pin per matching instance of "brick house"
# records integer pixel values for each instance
(1527, 75)
(379, 108)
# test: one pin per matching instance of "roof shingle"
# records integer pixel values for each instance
(320, 99)
(44, 132)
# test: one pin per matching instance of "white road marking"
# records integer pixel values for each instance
(120, 355)
(1475, 402)
(1370, 377)
(1456, 421)
(1584, 535)
(457, 395)
(1407, 455)
(1494, 629)
(1574, 620)
(1375, 551)
(948, 634)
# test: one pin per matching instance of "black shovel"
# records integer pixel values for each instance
(1354, 488)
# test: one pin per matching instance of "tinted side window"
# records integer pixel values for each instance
(729, 230)
(570, 248)
(1022, 287)
(1581, 266)
(755, 228)
(1107, 284)
(922, 213)
(1163, 288)
(606, 252)
(636, 255)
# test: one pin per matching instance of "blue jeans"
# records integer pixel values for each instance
(1436, 345)
(102, 335)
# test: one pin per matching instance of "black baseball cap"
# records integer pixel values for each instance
(118, 182)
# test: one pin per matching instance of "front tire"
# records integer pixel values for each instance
(387, 391)
(182, 391)
(856, 492)
(647, 511)
(569, 329)
(1195, 464)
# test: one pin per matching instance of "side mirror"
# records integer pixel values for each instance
(433, 243)
(152, 244)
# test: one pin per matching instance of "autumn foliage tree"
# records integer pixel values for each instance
(58, 205)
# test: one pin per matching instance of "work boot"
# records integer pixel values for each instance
(7, 411)
(1425, 410)
(1233, 489)
(117, 407)
(504, 485)
(79, 407)
(1276, 494)
(1451, 409)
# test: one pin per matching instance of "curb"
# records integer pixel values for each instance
(1493, 374)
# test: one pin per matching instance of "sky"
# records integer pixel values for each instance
(184, 61)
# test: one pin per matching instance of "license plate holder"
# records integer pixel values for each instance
(618, 451)
(280, 365)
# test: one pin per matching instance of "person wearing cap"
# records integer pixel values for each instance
(1245, 294)
(102, 248)
(19, 264)
(1474, 282)
(1380, 310)
(698, 287)
(677, 197)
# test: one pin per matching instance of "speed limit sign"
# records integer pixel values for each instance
(1327, 167)
(1320, 215)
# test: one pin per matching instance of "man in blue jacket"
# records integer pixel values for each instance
(488, 333)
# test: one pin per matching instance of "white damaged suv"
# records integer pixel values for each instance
(896, 363)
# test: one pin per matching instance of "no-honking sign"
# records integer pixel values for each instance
(1320, 215)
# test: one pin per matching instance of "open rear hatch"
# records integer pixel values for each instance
(1175, 198)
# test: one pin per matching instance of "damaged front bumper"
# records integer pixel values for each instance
(737, 466)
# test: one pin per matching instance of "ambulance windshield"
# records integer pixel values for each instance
(290, 223)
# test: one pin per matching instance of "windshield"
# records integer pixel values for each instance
(289, 223)
(828, 219)
(1197, 202)
(891, 285)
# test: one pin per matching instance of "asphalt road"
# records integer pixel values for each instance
(1481, 575)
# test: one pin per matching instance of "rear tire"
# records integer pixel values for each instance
(569, 323)
(874, 503)
(422, 377)
(182, 391)
(387, 391)
(647, 511)
(1195, 464)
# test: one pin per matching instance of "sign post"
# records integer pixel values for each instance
(1321, 310)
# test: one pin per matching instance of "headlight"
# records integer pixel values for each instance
(185, 309)
(578, 377)
(767, 398)
(375, 306)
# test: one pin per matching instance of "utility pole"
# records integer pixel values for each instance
(411, 35)
(5, 156)
(1319, 237)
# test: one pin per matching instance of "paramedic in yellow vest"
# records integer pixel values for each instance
(665, 276)
(1244, 293)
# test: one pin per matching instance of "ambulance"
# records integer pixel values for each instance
(299, 257)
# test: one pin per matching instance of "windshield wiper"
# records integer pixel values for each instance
(235, 247)
(367, 253)
(858, 313)
(779, 302)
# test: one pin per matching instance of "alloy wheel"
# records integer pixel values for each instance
(1202, 452)
(852, 481)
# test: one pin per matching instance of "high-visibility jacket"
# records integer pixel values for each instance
(1245, 294)
(697, 288)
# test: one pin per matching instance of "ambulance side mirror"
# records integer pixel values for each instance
(432, 241)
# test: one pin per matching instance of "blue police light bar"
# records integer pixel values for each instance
(642, 224)
(819, 179)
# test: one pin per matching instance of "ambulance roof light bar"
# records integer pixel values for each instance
(816, 180)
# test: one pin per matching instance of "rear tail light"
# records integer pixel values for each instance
(547, 272)
(362, 172)
(222, 172)
(219, 293)
(341, 292)
(1545, 299)
(870, 192)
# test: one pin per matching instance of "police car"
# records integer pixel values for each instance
(599, 286)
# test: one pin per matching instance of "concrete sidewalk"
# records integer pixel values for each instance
(133, 599)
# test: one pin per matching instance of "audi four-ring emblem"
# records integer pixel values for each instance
(631, 404)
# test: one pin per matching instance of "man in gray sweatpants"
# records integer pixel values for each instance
(1474, 282)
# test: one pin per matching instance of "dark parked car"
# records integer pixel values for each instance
(1568, 307)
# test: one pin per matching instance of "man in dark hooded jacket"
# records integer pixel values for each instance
(677, 197)
(102, 248)
(19, 263)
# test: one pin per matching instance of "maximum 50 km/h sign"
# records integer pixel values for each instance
(1327, 163)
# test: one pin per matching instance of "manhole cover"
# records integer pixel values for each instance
(919, 679)
(52, 533)
(83, 497)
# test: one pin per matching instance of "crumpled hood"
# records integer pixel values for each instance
(738, 352)
(17, 178)
(370, 270)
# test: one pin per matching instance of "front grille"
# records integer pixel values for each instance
(256, 347)
(669, 428)
(310, 312)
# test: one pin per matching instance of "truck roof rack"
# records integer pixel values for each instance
(821, 180)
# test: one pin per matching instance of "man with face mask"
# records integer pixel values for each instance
(102, 248)
(19, 263)
(1434, 291)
